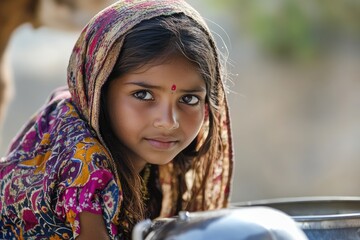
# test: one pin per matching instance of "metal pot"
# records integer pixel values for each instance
(319, 217)
(249, 223)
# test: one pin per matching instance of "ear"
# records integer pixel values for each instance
(206, 115)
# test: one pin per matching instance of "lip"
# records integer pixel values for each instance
(162, 143)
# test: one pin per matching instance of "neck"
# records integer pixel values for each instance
(139, 166)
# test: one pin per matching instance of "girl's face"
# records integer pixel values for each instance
(158, 110)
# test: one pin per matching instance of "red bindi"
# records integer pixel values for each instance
(173, 87)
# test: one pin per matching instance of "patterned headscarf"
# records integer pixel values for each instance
(92, 61)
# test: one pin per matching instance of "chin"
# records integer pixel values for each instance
(162, 162)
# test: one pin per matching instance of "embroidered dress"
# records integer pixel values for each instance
(57, 170)
(58, 165)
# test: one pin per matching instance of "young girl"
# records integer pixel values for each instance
(142, 131)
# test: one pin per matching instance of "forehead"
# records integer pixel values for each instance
(173, 57)
(178, 69)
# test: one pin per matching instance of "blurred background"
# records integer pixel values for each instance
(294, 80)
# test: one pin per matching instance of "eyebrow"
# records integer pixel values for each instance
(149, 86)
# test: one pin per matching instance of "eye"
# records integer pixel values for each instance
(143, 95)
(189, 99)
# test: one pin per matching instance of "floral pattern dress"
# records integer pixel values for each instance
(43, 191)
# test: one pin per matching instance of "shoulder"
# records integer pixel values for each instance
(86, 161)
(87, 184)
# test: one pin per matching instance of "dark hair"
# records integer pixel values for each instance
(154, 41)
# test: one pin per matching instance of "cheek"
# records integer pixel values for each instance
(194, 121)
(124, 120)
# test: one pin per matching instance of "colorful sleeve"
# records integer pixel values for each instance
(88, 185)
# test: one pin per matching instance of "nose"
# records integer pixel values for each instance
(166, 117)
